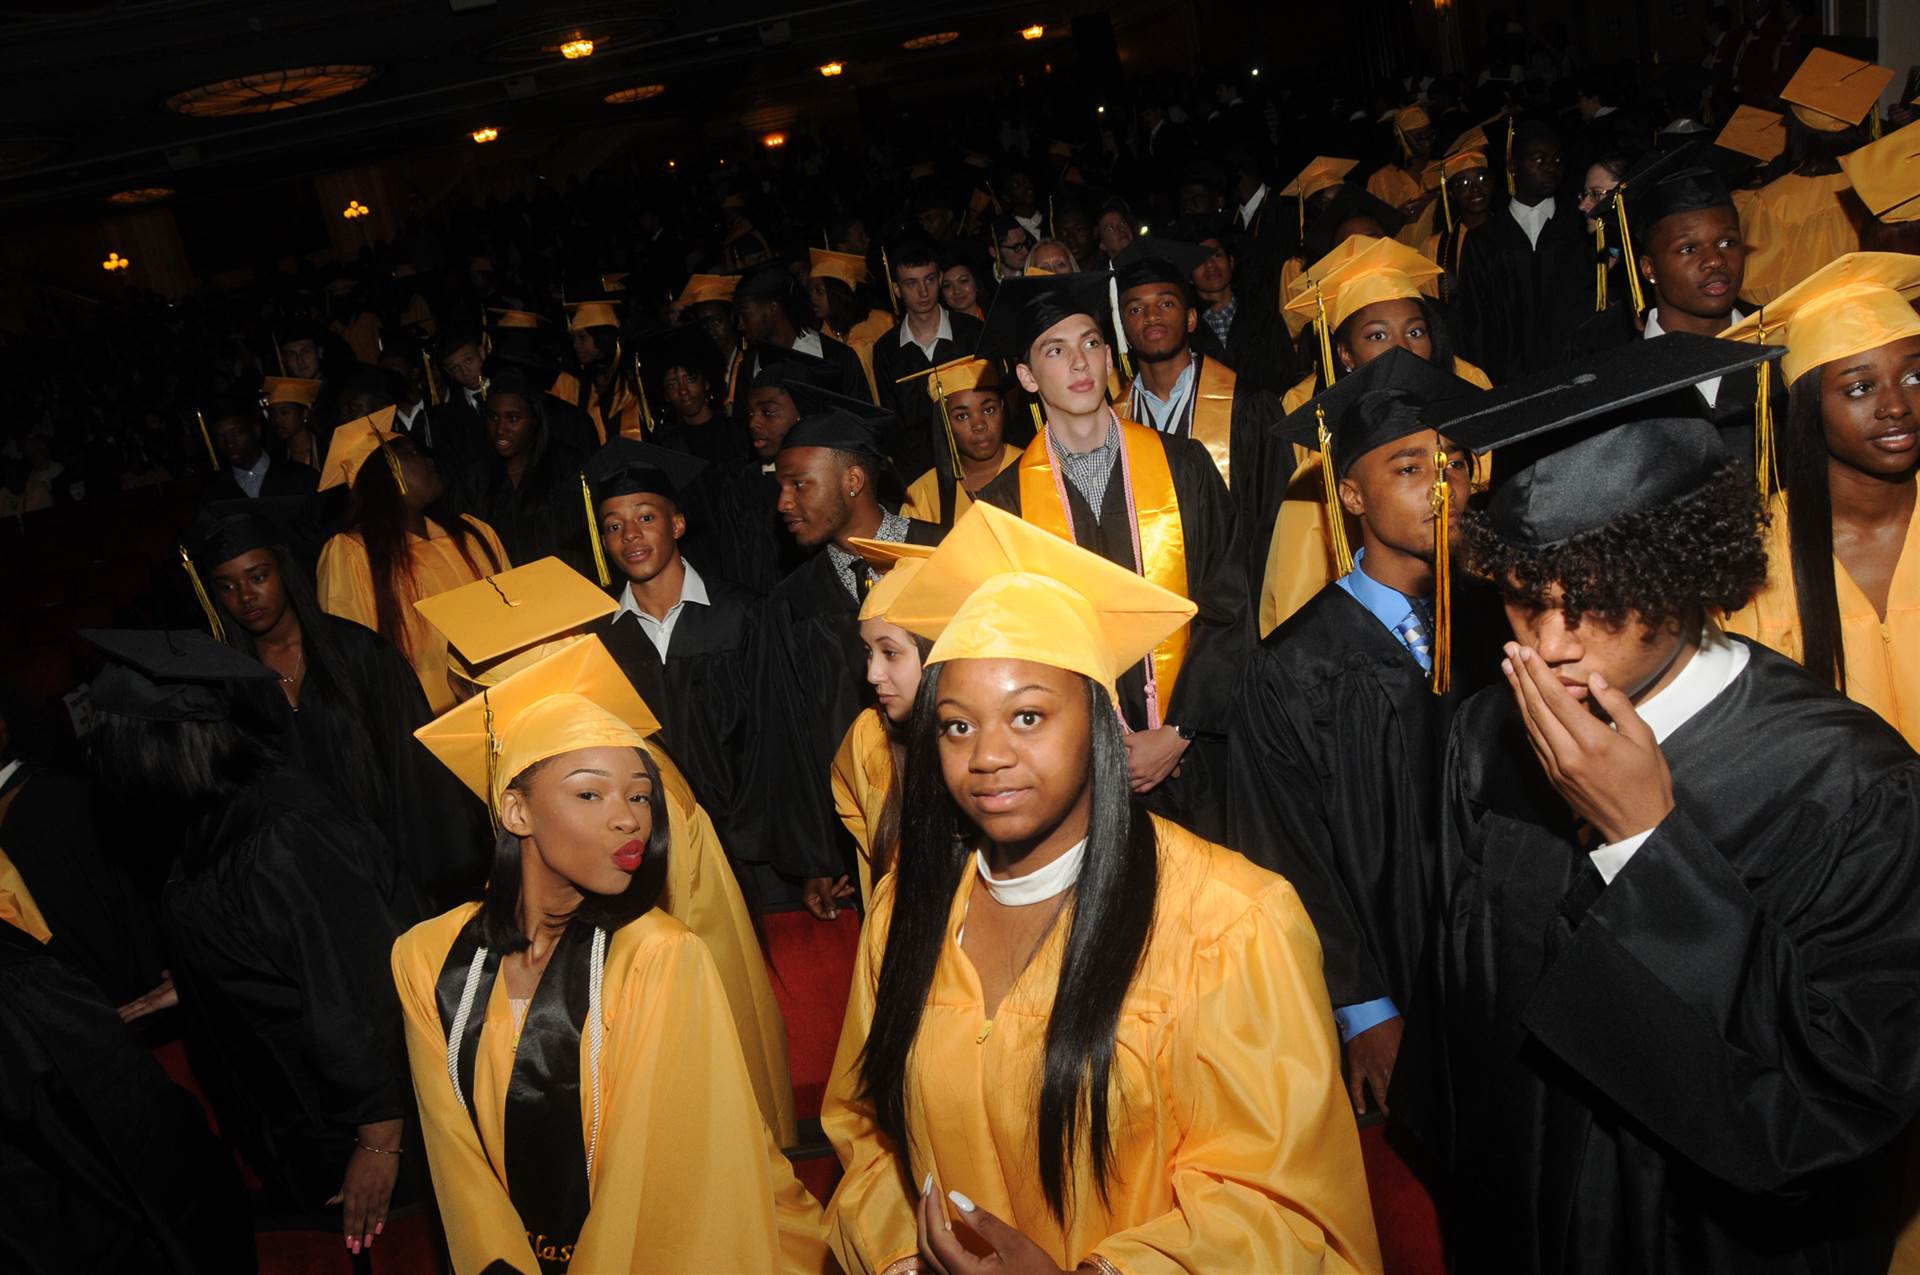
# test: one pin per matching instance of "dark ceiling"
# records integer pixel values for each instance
(86, 85)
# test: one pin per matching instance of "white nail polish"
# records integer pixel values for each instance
(960, 1201)
(926, 1188)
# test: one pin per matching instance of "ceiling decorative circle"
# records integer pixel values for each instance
(141, 195)
(266, 91)
(931, 41)
(638, 93)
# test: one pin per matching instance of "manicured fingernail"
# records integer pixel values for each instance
(926, 1188)
(1525, 655)
(1506, 666)
(960, 1201)
(1597, 682)
(379, 1228)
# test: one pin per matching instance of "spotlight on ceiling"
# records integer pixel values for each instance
(1033, 32)
(575, 49)
(485, 135)
(831, 69)
(774, 141)
(115, 263)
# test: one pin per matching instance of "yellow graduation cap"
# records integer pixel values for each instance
(953, 377)
(504, 318)
(1451, 165)
(900, 562)
(1321, 173)
(1832, 91)
(1856, 303)
(1754, 132)
(354, 444)
(1033, 271)
(999, 588)
(1406, 120)
(592, 314)
(848, 267)
(616, 282)
(501, 615)
(707, 287)
(1886, 175)
(575, 697)
(1362, 270)
(289, 389)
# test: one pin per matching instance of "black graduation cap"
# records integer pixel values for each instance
(1156, 260)
(770, 280)
(1395, 395)
(834, 420)
(688, 347)
(627, 467)
(1664, 183)
(782, 367)
(1599, 437)
(225, 529)
(168, 675)
(1027, 305)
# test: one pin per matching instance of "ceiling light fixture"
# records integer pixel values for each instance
(1033, 32)
(639, 93)
(485, 135)
(774, 141)
(575, 49)
(140, 195)
(931, 41)
(265, 91)
(355, 210)
(115, 263)
(831, 69)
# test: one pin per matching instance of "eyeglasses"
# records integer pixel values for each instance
(1023, 244)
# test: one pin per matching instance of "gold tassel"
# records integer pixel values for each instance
(1326, 337)
(393, 463)
(1039, 421)
(218, 629)
(1446, 203)
(1873, 123)
(1599, 264)
(1626, 250)
(1763, 463)
(593, 534)
(280, 360)
(1330, 486)
(493, 756)
(893, 296)
(1301, 204)
(1441, 639)
(426, 369)
(640, 386)
(207, 438)
(946, 424)
(1510, 191)
(1050, 231)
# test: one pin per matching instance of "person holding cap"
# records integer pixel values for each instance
(1153, 503)
(402, 543)
(1680, 1027)
(1843, 586)
(1079, 1037)
(583, 1093)
(1343, 710)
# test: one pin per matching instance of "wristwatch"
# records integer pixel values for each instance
(1186, 732)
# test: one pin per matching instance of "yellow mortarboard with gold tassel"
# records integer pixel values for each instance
(1362, 270)
(500, 617)
(849, 268)
(1856, 303)
(1321, 173)
(899, 563)
(289, 389)
(1832, 91)
(573, 698)
(955, 376)
(702, 288)
(582, 315)
(999, 588)
(1755, 133)
(1446, 169)
(1886, 175)
(354, 444)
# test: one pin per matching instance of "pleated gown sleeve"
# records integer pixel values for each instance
(862, 773)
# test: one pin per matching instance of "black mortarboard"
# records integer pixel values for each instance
(225, 529)
(1395, 395)
(770, 280)
(834, 420)
(782, 367)
(627, 467)
(1599, 437)
(687, 347)
(1663, 184)
(1027, 305)
(1156, 260)
(168, 675)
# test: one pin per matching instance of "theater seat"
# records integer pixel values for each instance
(812, 966)
(1403, 1212)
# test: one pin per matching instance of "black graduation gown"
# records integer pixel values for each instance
(1255, 416)
(106, 1165)
(459, 434)
(280, 916)
(1516, 305)
(545, 517)
(283, 478)
(98, 925)
(365, 753)
(1220, 635)
(745, 539)
(1336, 745)
(1706, 1066)
(703, 695)
(811, 682)
(919, 437)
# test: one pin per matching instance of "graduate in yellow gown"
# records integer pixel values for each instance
(971, 399)
(585, 1104)
(834, 280)
(1796, 223)
(401, 544)
(1408, 185)
(1374, 294)
(499, 626)
(867, 765)
(1078, 1036)
(1843, 523)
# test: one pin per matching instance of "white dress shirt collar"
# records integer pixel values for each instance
(943, 333)
(808, 342)
(1709, 388)
(660, 632)
(1252, 206)
(1532, 220)
(251, 478)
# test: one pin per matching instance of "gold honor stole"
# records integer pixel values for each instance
(1212, 425)
(1160, 542)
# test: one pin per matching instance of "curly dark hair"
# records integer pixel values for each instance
(1703, 551)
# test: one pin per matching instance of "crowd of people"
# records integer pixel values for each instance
(1276, 615)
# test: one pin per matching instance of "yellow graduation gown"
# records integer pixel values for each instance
(345, 584)
(860, 338)
(1794, 225)
(17, 907)
(923, 494)
(1883, 656)
(1299, 552)
(862, 772)
(1237, 1149)
(703, 895)
(686, 1176)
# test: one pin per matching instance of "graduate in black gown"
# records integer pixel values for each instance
(687, 641)
(108, 1165)
(753, 536)
(1131, 495)
(345, 704)
(1337, 732)
(528, 489)
(279, 916)
(1682, 1027)
(811, 681)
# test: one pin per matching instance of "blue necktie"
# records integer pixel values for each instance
(1412, 633)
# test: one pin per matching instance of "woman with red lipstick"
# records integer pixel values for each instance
(1079, 1036)
(581, 1086)
(867, 768)
(1843, 591)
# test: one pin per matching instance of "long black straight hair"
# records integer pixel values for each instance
(886, 828)
(1803, 479)
(500, 908)
(1110, 919)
